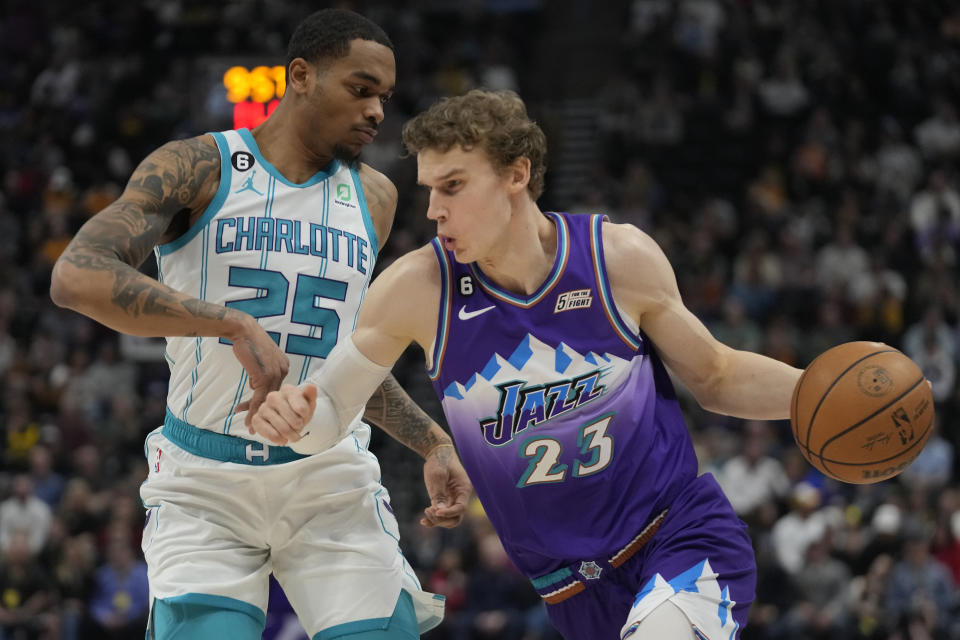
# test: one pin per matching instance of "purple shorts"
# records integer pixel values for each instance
(700, 558)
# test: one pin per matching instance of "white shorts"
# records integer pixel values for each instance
(322, 525)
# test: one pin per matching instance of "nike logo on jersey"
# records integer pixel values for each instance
(466, 315)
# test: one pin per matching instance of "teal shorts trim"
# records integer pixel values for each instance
(201, 616)
(402, 625)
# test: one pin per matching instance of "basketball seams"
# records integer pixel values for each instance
(869, 417)
(920, 440)
(813, 416)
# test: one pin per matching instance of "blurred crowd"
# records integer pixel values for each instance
(797, 160)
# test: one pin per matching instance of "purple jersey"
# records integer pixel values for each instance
(564, 416)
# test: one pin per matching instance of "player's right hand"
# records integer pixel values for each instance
(284, 413)
(266, 365)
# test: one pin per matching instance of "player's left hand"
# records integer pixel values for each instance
(448, 486)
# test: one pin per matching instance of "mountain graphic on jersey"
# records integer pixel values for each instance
(530, 386)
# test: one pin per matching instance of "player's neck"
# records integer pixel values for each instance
(526, 253)
(282, 146)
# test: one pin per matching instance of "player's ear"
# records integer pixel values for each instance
(298, 75)
(519, 174)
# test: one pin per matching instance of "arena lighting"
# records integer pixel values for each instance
(255, 93)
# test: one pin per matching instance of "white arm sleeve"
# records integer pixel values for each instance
(345, 383)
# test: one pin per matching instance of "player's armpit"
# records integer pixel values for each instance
(381, 196)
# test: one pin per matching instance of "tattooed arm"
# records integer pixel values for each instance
(97, 273)
(391, 409)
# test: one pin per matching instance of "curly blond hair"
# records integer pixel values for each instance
(495, 121)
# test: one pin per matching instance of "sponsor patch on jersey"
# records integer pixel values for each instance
(345, 196)
(576, 299)
(242, 160)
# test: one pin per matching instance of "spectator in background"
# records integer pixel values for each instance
(21, 426)
(898, 164)
(874, 291)
(776, 594)
(822, 610)
(757, 275)
(841, 259)
(72, 582)
(736, 328)
(866, 596)
(24, 513)
(48, 485)
(784, 94)
(920, 588)
(121, 595)
(80, 510)
(495, 604)
(659, 118)
(753, 477)
(935, 213)
(829, 330)
(767, 193)
(883, 537)
(939, 135)
(948, 552)
(449, 579)
(937, 364)
(109, 377)
(798, 528)
(933, 467)
(25, 590)
(931, 323)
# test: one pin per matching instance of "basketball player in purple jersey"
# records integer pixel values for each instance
(547, 337)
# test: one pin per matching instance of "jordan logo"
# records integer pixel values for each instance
(248, 184)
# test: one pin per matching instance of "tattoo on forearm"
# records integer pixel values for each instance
(392, 409)
(178, 177)
(140, 296)
(443, 455)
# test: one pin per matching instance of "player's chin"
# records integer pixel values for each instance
(348, 153)
(463, 255)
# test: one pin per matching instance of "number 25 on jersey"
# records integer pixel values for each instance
(271, 300)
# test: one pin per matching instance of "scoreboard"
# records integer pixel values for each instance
(254, 93)
(232, 93)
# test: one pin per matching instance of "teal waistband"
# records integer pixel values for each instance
(218, 446)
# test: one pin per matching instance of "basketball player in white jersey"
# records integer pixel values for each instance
(265, 242)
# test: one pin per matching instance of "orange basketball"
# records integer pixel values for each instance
(861, 412)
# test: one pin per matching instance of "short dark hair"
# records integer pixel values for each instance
(493, 121)
(327, 34)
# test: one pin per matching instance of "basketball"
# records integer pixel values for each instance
(861, 412)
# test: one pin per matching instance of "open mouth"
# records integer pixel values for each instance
(448, 243)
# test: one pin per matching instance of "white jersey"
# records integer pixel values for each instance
(298, 257)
